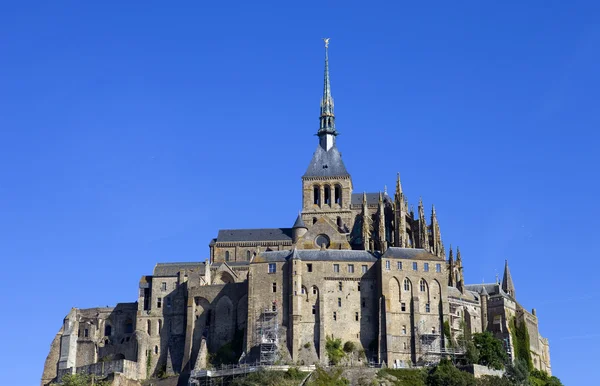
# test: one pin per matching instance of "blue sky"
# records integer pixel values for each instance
(130, 133)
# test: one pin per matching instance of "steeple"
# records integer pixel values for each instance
(366, 225)
(381, 225)
(400, 208)
(423, 234)
(437, 247)
(327, 132)
(507, 282)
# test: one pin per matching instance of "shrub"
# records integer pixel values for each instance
(333, 378)
(334, 350)
(491, 350)
(445, 374)
(307, 345)
(349, 347)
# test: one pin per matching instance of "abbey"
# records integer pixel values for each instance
(362, 267)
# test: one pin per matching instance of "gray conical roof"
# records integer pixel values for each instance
(299, 223)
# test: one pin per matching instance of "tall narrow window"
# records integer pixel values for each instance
(427, 307)
(438, 268)
(359, 287)
(404, 329)
(163, 286)
(399, 266)
(108, 330)
(168, 302)
(317, 195)
(86, 333)
(415, 267)
(340, 224)
(364, 269)
(158, 302)
(272, 268)
(406, 284)
(274, 287)
(340, 286)
(314, 290)
(403, 307)
(338, 195)
(388, 265)
(149, 328)
(336, 268)
(309, 267)
(350, 268)
(314, 310)
(356, 316)
(339, 302)
(248, 255)
(426, 267)
(363, 302)
(334, 315)
(226, 255)
(159, 326)
(422, 285)
(327, 195)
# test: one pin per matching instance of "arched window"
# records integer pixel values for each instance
(248, 255)
(422, 285)
(156, 349)
(108, 330)
(327, 195)
(317, 195)
(406, 284)
(149, 328)
(314, 220)
(340, 224)
(226, 255)
(338, 195)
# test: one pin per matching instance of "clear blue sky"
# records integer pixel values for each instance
(130, 133)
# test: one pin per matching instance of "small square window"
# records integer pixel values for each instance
(438, 268)
(272, 268)
(350, 268)
(399, 266)
(388, 265)
(426, 267)
(334, 315)
(415, 268)
(339, 302)
(274, 287)
(336, 268)
(309, 267)
(163, 286)
(158, 302)
(403, 307)
(364, 269)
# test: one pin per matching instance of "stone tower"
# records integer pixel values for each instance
(327, 185)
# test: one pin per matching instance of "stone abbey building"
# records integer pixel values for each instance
(362, 267)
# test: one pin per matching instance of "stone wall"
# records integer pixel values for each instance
(129, 369)
(479, 371)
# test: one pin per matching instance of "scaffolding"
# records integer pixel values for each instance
(267, 335)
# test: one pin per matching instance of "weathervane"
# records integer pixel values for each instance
(326, 40)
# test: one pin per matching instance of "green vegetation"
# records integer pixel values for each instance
(520, 337)
(322, 377)
(445, 374)
(407, 377)
(333, 346)
(307, 345)
(490, 350)
(349, 347)
(148, 362)
(292, 377)
(80, 380)
(541, 378)
(447, 334)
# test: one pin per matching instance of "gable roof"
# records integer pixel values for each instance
(172, 269)
(410, 253)
(326, 164)
(262, 234)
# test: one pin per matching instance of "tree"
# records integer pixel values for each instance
(518, 372)
(491, 351)
(445, 374)
(334, 350)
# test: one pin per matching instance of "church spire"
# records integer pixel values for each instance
(327, 132)
(507, 282)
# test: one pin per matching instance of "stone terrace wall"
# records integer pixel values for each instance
(129, 369)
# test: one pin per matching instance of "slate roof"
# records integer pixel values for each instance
(171, 269)
(468, 295)
(263, 234)
(299, 223)
(317, 255)
(326, 164)
(491, 288)
(372, 198)
(410, 253)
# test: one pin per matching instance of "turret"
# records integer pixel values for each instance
(381, 225)
(507, 282)
(299, 229)
(460, 283)
(423, 234)
(437, 246)
(484, 308)
(400, 209)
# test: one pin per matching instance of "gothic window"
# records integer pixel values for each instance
(338, 195)
(226, 255)
(422, 285)
(404, 330)
(248, 255)
(314, 220)
(156, 349)
(86, 333)
(406, 284)
(340, 224)
(327, 195)
(316, 195)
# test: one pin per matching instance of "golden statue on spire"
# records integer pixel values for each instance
(326, 40)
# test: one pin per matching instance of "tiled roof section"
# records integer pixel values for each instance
(493, 289)
(326, 164)
(372, 198)
(317, 255)
(263, 234)
(410, 253)
(171, 269)
(468, 295)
